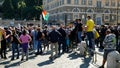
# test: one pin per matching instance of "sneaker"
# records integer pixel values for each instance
(101, 67)
(22, 59)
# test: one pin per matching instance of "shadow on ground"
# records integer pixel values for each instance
(47, 62)
(5, 62)
(86, 62)
(73, 56)
(13, 65)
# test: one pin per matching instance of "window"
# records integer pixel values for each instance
(98, 4)
(76, 2)
(89, 2)
(76, 10)
(107, 3)
(118, 4)
(76, 16)
(68, 1)
(89, 10)
(62, 1)
(107, 11)
(83, 2)
(113, 3)
(106, 17)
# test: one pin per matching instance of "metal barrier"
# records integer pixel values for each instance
(94, 59)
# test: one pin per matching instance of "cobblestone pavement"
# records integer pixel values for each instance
(67, 60)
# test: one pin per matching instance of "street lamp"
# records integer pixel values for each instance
(117, 10)
(65, 18)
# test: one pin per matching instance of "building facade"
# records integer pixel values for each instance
(102, 11)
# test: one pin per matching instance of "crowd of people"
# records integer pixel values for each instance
(60, 39)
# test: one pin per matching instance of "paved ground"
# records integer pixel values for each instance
(67, 60)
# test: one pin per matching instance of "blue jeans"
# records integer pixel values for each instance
(79, 36)
(63, 43)
(35, 43)
(90, 38)
(15, 47)
(39, 47)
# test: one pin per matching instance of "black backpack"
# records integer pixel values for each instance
(15, 39)
(118, 47)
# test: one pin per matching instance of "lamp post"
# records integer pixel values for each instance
(65, 18)
(117, 10)
(41, 21)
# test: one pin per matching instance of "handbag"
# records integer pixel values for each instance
(96, 35)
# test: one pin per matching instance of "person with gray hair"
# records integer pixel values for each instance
(53, 38)
(109, 45)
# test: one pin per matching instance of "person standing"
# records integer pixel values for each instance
(3, 44)
(79, 30)
(109, 44)
(62, 39)
(53, 38)
(15, 41)
(90, 36)
(45, 40)
(39, 40)
(34, 38)
(102, 35)
(25, 40)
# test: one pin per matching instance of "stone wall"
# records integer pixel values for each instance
(15, 23)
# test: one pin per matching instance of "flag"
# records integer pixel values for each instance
(45, 15)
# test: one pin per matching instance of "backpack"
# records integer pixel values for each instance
(15, 39)
(118, 47)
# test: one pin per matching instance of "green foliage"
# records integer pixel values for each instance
(22, 9)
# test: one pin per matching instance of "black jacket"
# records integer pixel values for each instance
(54, 36)
(39, 35)
(62, 34)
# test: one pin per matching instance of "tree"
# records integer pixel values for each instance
(8, 9)
(22, 9)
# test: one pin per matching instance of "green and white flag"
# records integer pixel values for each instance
(45, 15)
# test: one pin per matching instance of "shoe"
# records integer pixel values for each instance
(2, 57)
(37, 54)
(51, 58)
(92, 54)
(5, 57)
(41, 53)
(17, 58)
(26, 59)
(12, 59)
(101, 67)
(22, 59)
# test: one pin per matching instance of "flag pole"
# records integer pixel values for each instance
(41, 21)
